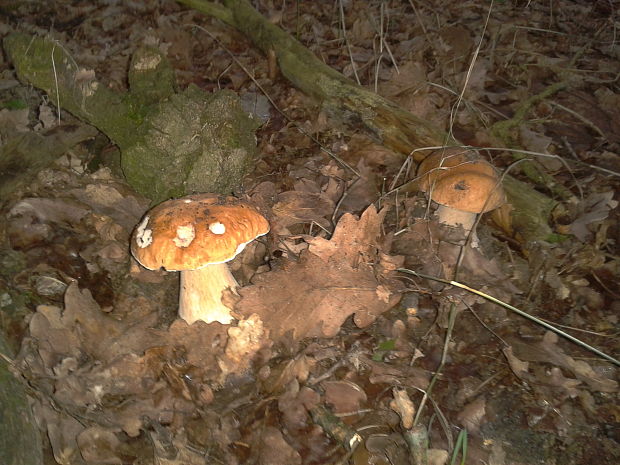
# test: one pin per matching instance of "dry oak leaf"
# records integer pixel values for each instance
(274, 450)
(294, 207)
(403, 406)
(334, 279)
(548, 351)
(343, 395)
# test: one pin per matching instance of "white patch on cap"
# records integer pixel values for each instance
(144, 236)
(240, 248)
(185, 235)
(187, 201)
(217, 228)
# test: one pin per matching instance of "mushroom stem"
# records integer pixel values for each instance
(201, 294)
(453, 217)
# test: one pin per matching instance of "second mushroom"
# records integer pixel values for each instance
(462, 184)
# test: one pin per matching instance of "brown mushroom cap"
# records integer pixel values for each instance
(195, 231)
(442, 162)
(469, 191)
(459, 179)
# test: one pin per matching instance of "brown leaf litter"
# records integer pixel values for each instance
(334, 279)
(115, 382)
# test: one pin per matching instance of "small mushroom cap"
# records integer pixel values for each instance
(459, 179)
(447, 161)
(469, 191)
(195, 231)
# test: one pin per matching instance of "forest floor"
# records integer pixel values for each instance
(353, 351)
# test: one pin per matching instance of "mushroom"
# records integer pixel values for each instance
(197, 235)
(463, 185)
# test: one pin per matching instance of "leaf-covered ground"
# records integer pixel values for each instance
(334, 346)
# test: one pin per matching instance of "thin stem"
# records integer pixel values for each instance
(517, 311)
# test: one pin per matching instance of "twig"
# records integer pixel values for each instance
(472, 63)
(444, 356)
(417, 441)
(573, 339)
(7, 359)
(346, 41)
(336, 428)
(580, 117)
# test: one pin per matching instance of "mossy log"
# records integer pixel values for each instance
(530, 212)
(354, 106)
(171, 143)
(20, 439)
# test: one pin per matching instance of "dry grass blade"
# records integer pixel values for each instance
(517, 311)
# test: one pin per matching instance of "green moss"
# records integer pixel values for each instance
(11, 262)
(556, 238)
(14, 105)
(193, 142)
(171, 144)
(20, 440)
(151, 78)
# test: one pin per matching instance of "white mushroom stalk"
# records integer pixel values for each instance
(204, 288)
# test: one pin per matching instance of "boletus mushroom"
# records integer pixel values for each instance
(462, 184)
(197, 235)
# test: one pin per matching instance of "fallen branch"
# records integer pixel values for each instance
(353, 106)
(344, 101)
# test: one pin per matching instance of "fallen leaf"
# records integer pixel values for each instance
(557, 379)
(115, 200)
(95, 329)
(244, 342)
(407, 376)
(99, 445)
(361, 191)
(294, 404)
(344, 396)
(62, 431)
(402, 405)
(294, 207)
(595, 208)
(12, 121)
(275, 450)
(55, 211)
(548, 351)
(335, 279)
(472, 414)
(518, 367)
(281, 375)
(534, 141)
(374, 154)
(437, 457)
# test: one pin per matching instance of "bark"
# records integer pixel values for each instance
(530, 211)
(358, 108)
(20, 440)
(45, 64)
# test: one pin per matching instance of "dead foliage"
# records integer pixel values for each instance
(331, 341)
